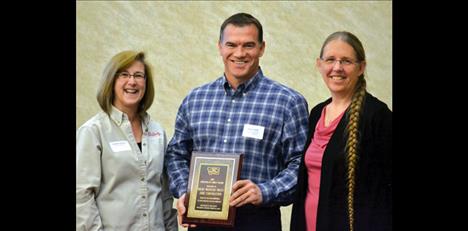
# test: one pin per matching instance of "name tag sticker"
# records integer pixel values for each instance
(253, 131)
(120, 146)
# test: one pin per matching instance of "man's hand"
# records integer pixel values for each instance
(181, 211)
(245, 192)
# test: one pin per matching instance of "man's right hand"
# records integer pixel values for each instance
(181, 210)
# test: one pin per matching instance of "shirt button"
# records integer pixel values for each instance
(142, 179)
(144, 214)
(233, 100)
(144, 144)
(143, 197)
(229, 120)
(225, 141)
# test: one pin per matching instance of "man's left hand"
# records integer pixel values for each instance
(245, 192)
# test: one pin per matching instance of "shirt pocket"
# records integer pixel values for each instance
(271, 130)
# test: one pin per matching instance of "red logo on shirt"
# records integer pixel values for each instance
(154, 134)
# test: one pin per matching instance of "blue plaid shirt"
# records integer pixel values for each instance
(211, 118)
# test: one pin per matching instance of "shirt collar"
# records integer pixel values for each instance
(119, 117)
(244, 87)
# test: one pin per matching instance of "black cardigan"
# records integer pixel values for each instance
(373, 192)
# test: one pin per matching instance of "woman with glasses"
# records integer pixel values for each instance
(345, 176)
(120, 180)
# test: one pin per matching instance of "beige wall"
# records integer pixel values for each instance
(180, 39)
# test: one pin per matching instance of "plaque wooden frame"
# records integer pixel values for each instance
(209, 187)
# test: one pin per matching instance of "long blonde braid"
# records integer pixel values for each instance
(352, 144)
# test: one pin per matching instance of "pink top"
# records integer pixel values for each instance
(313, 163)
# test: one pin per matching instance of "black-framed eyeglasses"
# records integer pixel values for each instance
(342, 62)
(139, 76)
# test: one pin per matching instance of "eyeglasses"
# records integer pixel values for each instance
(343, 62)
(139, 76)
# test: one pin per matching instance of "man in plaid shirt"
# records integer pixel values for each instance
(243, 112)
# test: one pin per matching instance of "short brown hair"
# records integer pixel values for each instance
(240, 20)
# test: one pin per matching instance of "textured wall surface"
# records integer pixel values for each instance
(180, 41)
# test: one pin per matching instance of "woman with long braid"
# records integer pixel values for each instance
(345, 176)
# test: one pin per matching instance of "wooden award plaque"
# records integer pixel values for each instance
(209, 188)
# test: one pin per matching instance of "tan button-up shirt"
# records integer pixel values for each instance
(119, 187)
